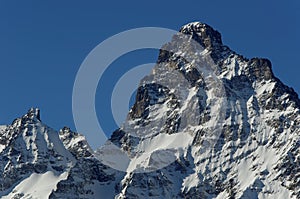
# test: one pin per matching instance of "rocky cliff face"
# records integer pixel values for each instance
(207, 123)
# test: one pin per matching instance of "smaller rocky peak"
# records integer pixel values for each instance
(67, 133)
(204, 34)
(32, 114)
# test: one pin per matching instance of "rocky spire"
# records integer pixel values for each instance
(32, 114)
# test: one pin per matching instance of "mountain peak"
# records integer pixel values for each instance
(32, 114)
(203, 33)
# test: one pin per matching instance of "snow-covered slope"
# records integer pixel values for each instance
(36, 186)
(207, 123)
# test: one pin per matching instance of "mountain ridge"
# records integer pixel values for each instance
(186, 136)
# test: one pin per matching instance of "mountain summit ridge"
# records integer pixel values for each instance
(203, 33)
(233, 134)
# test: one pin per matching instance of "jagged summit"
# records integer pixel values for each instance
(256, 68)
(203, 33)
(32, 114)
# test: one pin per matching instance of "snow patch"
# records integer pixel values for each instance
(265, 87)
(37, 185)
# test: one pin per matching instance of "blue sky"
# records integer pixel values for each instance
(42, 44)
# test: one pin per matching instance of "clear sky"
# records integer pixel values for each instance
(42, 44)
